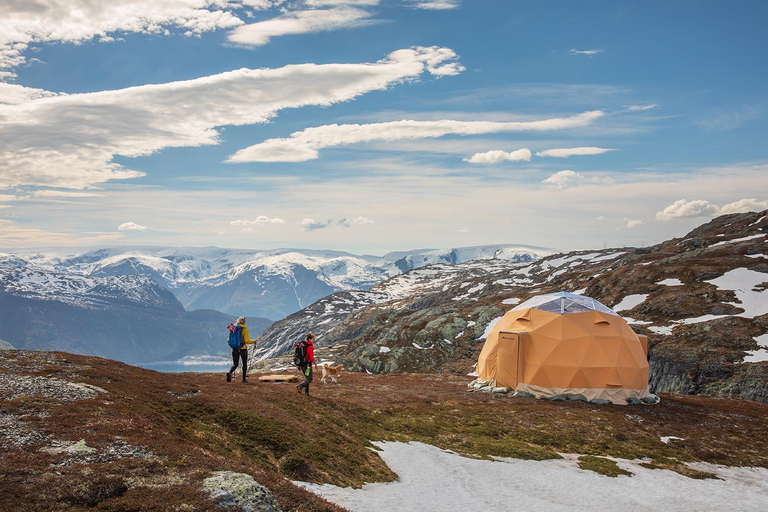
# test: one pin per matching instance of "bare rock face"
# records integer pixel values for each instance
(241, 491)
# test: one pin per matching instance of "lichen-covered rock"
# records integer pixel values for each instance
(240, 490)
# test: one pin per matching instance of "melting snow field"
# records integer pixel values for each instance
(760, 355)
(630, 301)
(433, 479)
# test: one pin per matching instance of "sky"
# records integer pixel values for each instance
(371, 126)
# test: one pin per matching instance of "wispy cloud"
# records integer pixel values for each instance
(305, 145)
(566, 152)
(584, 52)
(261, 219)
(640, 108)
(498, 156)
(724, 119)
(131, 226)
(69, 141)
(683, 208)
(300, 22)
(309, 224)
(633, 223)
(567, 178)
(436, 4)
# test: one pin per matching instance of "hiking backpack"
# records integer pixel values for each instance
(299, 353)
(235, 336)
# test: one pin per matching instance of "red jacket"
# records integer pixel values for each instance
(310, 351)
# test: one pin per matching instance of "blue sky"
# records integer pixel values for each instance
(377, 125)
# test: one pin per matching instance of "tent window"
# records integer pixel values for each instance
(564, 303)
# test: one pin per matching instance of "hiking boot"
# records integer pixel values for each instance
(245, 380)
(229, 377)
(299, 388)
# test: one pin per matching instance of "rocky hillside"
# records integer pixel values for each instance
(84, 433)
(701, 300)
(128, 318)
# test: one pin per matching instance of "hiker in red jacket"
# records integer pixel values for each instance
(306, 367)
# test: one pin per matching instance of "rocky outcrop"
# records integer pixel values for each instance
(241, 491)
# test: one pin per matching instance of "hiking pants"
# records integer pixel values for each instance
(307, 371)
(237, 354)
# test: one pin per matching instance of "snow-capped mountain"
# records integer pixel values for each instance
(129, 318)
(271, 284)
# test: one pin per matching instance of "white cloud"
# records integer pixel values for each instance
(632, 223)
(436, 4)
(309, 224)
(305, 145)
(683, 209)
(61, 194)
(463, 230)
(566, 152)
(261, 219)
(24, 23)
(131, 226)
(567, 178)
(584, 52)
(700, 208)
(497, 156)
(69, 141)
(300, 22)
(600, 218)
(639, 108)
(743, 205)
(13, 94)
(11, 234)
(331, 3)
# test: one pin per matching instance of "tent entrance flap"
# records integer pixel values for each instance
(508, 358)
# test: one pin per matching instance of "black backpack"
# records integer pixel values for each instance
(300, 354)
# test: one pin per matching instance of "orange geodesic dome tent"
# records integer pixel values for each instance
(566, 346)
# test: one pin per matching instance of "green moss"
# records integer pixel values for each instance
(602, 466)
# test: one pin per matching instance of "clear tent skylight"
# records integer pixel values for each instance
(564, 303)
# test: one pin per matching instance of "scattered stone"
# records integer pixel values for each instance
(77, 448)
(15, 386)
(240, 490)
(16, 433)
(80, 453)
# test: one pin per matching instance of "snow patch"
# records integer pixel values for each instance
(490, 327)
(630, 301)
(735, 240)
(433, 479)
(742, 282)
(383, 350)
(760, 355)
(512, 300)
(671, 282)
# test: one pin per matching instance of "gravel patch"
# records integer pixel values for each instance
(15, 386)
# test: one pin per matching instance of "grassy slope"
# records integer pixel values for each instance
(198, 423)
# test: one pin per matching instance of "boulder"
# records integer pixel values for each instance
(240, 490)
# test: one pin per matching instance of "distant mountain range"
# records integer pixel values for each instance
(143, 304)
(129, 318)
(270, 284)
